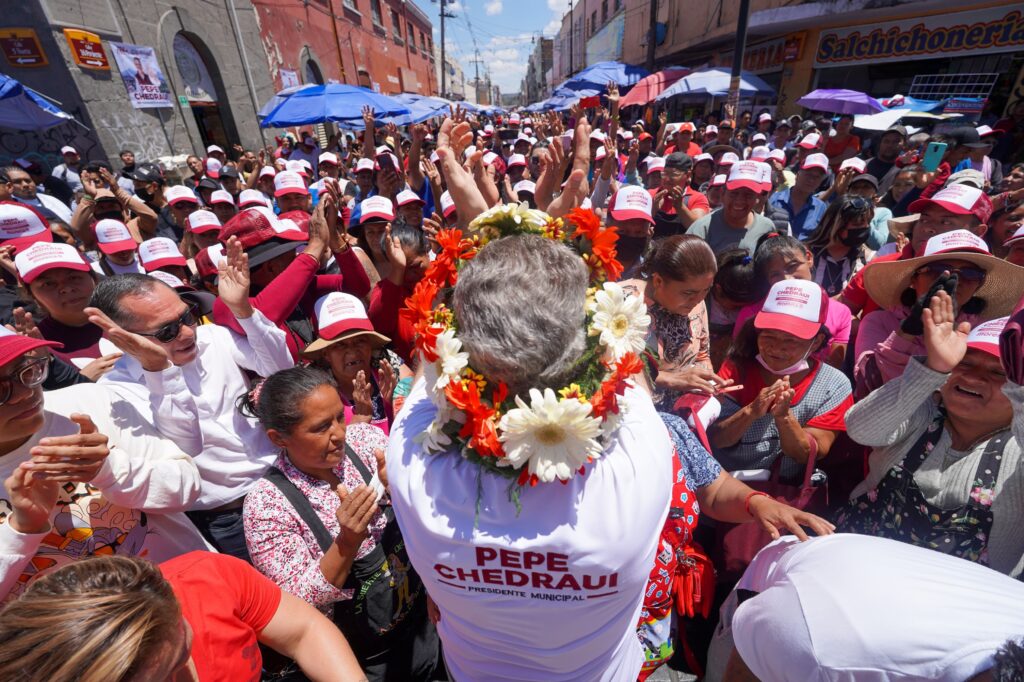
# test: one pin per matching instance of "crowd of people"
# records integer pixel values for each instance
(296, 413)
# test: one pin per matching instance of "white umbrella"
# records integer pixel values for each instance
(715, 82)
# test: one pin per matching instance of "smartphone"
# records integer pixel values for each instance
(385, 162)
(507, 134)
(933, 156)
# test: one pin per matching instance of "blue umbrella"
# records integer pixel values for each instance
(714, 82)
(421, 108)
(597, 76)
(22, 109)
(276, 100)
(342, 104)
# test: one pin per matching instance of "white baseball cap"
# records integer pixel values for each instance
(376, 208)
(860, 165)
(516, 160)
(160, 252)
(655, 164)
(22, 225)
(524, 186)
(711, 129)
(213, 167)
(778, 155)
(815, 161)
(447, 204)
(489, 158)
(748, 174)
(600, 154)
(214, 148)
(794, 306)
(985, 337)
(68, 149)
(955, 240)
(631, 202)
(365, 165)
(221, 196)
(329, 157)
(169, 279)
(43, 256)
(112, 236)
(289, 182)
(626, 135)
(703, 157)
(764, 117)
(758, 136)
(597, 135)
(340, 315)
(251, 197)
(268, 170)
(407, 196)
(959, 199)
(728, 159)
(810, 141)
(760, 153)
(202, 221)
(719, 180)
(296, 166)
(177, 193)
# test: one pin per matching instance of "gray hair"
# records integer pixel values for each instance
(521, 308)
(110, 290)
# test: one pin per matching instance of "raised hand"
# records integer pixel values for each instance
(419, 133)
(394, 251)
(368, 119)
(319, 232)
(362, 395)
(148, 352)
(70, 458)
(25, 324)
(944, 340)
(100, 366)
(386, 381)
(233, 279)
(7, 260)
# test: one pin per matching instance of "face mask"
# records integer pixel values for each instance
(631, 248)
(855, 238)
(144, 194)
(800, 365)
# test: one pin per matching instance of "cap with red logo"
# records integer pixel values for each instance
(778, 155)
(376, 208)
(341, 316)
(267, 171)
(207, 260)
(703, 157)
(159, 252)
(289, 182)
(517, 160)
(170, 280)
(760, 153)
(656, 164)
(213, 149)
(985, 337)
(960, 200)
(213, 167)
(794, 306)
(407, 196)
(819, 161)
(330, 158)
(632, 202)
(43, 256)
(859, 165)
(747, 174)
(513, 119)
(22, 225)
(221, 196)
(296, 166)
(810, 141)
(179, 193)
(719, 180)
(447, 204)
(202, 221)
(251, 197)
(365, 165)
(728, 159)
(112, 236)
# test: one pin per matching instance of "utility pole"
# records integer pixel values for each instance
(444, 66)
(652, 35)
(476, 81)
(572, 29)
(337, 41)
(733, 103)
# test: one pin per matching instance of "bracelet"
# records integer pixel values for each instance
(752, 494)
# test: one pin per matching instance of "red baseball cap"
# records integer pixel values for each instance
(13, 346)
(794, 306)
(632, 202)
(112, 236)
(208, 259)
(958, 199)
(43, 256)
(985, 337)
(341, 315)
(22, 225)
(260, 233)
(407, 196)
(160, 252)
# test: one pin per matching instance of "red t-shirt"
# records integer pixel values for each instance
(753, 382)
(227, 602)
(692, 151)
(694, 200)
(855, 291)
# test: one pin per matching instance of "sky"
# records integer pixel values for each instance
(504, 30)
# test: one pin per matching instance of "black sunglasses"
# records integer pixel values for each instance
(968, 273)
(170, 331)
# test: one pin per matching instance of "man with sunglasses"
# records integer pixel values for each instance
(83, 474)
(191, 377)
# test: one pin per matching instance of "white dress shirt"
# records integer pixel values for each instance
(195, 404)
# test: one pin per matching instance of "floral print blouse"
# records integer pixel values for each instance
(282, 546)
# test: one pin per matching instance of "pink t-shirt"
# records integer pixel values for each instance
(837, 321)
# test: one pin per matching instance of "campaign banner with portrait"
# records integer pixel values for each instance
(147, 88)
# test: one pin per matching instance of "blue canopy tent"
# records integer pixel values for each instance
(421, 108)
(714, 82)
(335, 102)
(280, 97)
(23, 109)
(597, 77)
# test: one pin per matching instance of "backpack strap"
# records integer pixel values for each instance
(301, 504)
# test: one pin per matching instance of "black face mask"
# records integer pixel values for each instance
(855, 238)
(144, 194)
(631, 248)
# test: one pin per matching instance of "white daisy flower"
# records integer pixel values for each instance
(621, 320)
(451, 360)
(556, 437)
(434, 439)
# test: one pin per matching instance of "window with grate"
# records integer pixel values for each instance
(943, 85)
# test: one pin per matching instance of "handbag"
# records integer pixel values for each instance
(736, 544)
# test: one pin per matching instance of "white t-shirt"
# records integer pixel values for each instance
(860, 608)
(552, 592)
(131, 508)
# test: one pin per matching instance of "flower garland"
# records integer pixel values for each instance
(556, 433)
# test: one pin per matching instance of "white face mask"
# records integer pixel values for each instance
(800, 365)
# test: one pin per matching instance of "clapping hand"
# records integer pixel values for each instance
(78, 457)
(362, 395)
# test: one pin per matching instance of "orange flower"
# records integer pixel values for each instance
(586, 221)
(444, 271)
(602, 248)
(481, 427)
(419, 313)
(605, 399)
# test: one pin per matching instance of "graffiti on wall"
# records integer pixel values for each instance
(132, 129)
(44, 146)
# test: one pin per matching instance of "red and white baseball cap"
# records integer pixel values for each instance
(296, 166)
(212, 149)
(112, 236)
(251, 197)
(719, 180)
(447, 204)
(208, 260)
(68, 149)
(178, 193)
(524, 186)
(365, 165)
(794, 306)
(489, 158)
(329, 157)
(203, 221)
(764, 117)
(341, 316)
(597, 135)
(760, 153)
(213, 167)
(859, 165)
(513, 119)
(43, 256)
(517, 160)
(600, 154)
(22, 225)
(632, 202)
(728, 159)
(985, 131)
(407, 196)
(710, 130)
(523, 137)
(267, 171)
(811, 141)
(376, 208)
(488, 130)
(160, 252)
(815, 161)
(758, 137)
(470, 151)
(221, 196)
(655, 164)
(778, 155)
(289, 182)
(985, 337)
(748, 174)
(703, 157)
(958, 199)
(1016, 237)
(955, 241)
(170, 280)
(626, 135)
